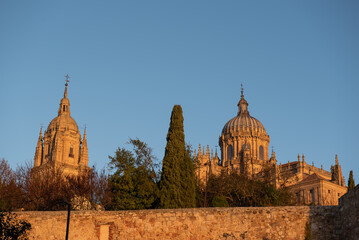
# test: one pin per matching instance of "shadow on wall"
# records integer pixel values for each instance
(337, 222)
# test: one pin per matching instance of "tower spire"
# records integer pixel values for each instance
(66, 84)
(242, 96)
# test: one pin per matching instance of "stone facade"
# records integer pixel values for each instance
(244, 149)
(61, 145)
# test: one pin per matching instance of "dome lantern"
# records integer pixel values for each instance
(242, 104)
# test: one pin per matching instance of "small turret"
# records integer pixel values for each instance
(84, 151)
(272, 159)
(39, 150)
(337, 175)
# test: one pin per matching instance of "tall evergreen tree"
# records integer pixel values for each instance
(351, 183)
(177, 184)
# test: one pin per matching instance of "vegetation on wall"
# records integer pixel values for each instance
(308, 231)
(12, 228)
(177, 184)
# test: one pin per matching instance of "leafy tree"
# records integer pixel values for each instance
(12, 228)
(177, 184)
(133, 183)
(239, 191)
(351, 182)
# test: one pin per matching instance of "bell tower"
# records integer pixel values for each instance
(61, 145)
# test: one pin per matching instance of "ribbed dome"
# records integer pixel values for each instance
(63, 122)
(243, 122)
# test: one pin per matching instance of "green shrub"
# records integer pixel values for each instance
(219, 201)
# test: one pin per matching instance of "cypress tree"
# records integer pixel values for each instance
(177, 184)
(351, 183)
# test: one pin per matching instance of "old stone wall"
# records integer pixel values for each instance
(198, 223)
(349, 215)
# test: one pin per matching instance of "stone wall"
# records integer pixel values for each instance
(349, 215)
(199, 223)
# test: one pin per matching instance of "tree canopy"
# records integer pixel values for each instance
(236, 190)
(133, 182)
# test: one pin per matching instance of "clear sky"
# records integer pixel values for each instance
(131, 61)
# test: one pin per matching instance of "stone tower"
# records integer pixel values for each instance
(61, 145)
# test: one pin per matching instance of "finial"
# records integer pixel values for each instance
(242, 90)
(298, 157)
(66, 84)
(303, 158)
(336, 159)
(67, 79)
(85, 130)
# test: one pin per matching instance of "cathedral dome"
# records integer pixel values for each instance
(63, 122)
(243, 121)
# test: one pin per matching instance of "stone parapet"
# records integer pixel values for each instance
(197, 223)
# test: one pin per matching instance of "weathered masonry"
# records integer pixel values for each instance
(327, 222)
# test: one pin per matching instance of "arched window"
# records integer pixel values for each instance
(261, 152)
(229, 152)
(71, 154)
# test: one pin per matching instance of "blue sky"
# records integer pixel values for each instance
(131, 61)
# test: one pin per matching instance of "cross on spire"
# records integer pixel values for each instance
(67, 79)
